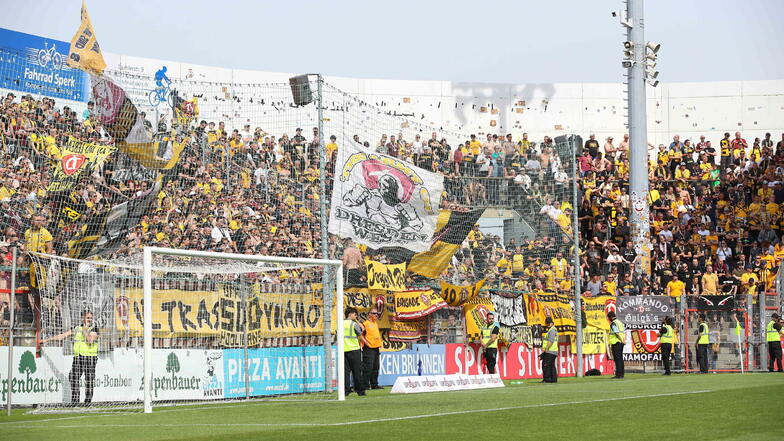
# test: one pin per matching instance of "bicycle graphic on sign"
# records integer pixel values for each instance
(50, 55)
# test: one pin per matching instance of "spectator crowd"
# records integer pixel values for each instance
(716, 214)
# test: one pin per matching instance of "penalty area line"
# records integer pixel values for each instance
(403, 418)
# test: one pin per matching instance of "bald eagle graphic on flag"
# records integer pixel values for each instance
(381, 201)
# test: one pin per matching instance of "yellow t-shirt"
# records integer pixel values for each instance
(36, 241)
(676, 288)
(517, 263)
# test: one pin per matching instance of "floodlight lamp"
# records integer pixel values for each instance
(653, 47)
(627, 64)
(654, 83)
(628, 44)
(652, 74)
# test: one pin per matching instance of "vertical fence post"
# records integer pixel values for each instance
(578, 315)
(245, 358)
(11, 307)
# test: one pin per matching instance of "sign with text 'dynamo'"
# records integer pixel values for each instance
(38, 65)
(274, 371)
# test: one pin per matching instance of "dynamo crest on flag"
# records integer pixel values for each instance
(381, 201)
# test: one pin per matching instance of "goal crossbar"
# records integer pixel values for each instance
(147, 269)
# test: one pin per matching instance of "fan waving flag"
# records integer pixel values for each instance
(381, 201)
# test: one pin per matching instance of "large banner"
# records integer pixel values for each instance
(643, 312)
(419, 360)
(45, 69)
(455, 295)
(386, 277)
(174, 311)
(475, 312)
(518, 361)
(414, 305)
(274, 371)
(177, 374)
(510, 311)
(268, 315)
(381, 201)
(77, 159)
(596, 310)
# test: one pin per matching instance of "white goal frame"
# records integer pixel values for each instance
(147, 269)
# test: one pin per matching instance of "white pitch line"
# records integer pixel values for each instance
(411, 417)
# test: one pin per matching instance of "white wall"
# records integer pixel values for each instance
(688, 109)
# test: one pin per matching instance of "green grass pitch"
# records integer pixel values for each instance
(640, 407)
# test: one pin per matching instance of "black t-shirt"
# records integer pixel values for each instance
(592, 146)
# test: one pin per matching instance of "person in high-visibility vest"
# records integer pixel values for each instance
(370, 352)
(490, 342)
(352, 352)
(703, 341)
(549, 352)
(85, 356)
(773, 334)
(666, 338)
(617, 339)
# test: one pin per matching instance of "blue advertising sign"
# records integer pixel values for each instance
(274, 371)
(33, 64)
(419, 360)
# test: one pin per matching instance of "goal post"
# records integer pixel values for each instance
(165, 327)
(335, 265)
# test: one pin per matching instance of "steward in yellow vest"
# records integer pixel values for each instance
(773, 334)
(352, 353)
(549, 352)
(85, 356)
(703, 341)
(666, 337)
(616, 340)
(490, 342)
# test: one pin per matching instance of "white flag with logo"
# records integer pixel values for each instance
(381, 201)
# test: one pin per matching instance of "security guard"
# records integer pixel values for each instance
(352, 352)
(617, 340)
(85, 356)
(703, 342)
(773, 334)
(666, 335)
(549, 353)
(490, 342)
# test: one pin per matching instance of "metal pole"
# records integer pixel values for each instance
(147, 307)
(638, 138)
(762, 336)
(245, 335)
(11, 307)
(578, 299)
(749, 331)
(330, 273)
(339, 333)
(683, 329)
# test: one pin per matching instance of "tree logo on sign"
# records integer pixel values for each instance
(72, 163)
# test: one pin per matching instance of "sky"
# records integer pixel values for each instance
(523, 41)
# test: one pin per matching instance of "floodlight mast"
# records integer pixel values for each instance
(638, 138)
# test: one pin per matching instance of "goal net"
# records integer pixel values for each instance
(168, 327)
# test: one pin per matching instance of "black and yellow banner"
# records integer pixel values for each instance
(541, 305)
(268, 315)
(452, 227)
(414, 305)
(85, 53)
(174, 311)
(77, 159)
(386, 277)
(455, 295)
(475, 312)
(596, 309)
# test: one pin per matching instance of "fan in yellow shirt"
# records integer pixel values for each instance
(675, 287)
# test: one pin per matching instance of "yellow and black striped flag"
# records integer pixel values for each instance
(452, 228)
